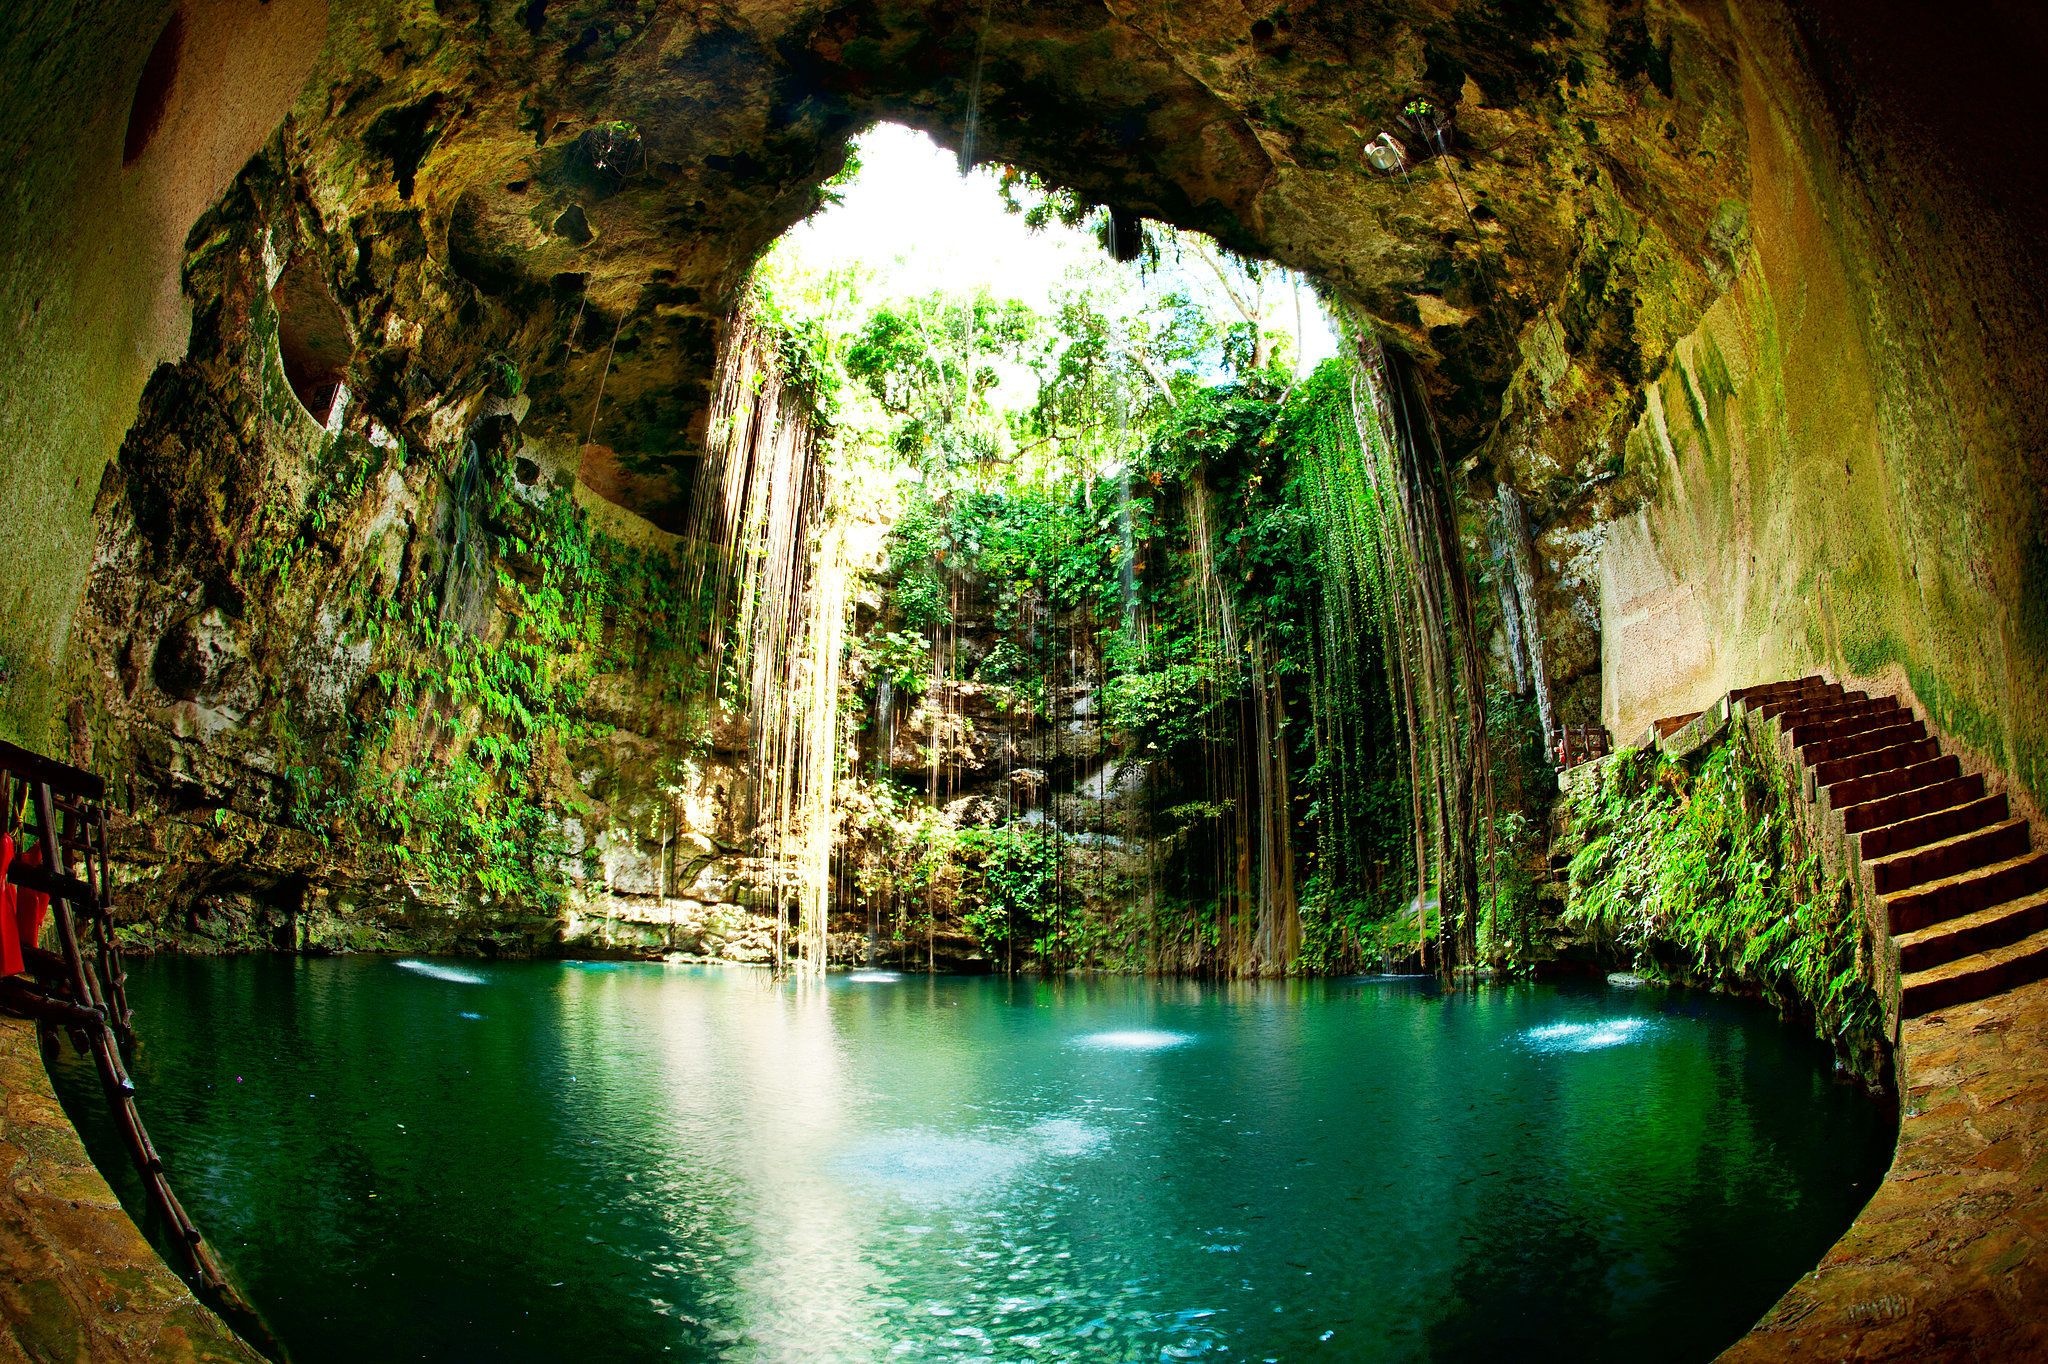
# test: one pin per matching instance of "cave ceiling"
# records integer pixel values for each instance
(578, 187)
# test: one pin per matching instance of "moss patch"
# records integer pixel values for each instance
(1701, 873)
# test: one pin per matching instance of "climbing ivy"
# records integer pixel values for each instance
(1009, 886)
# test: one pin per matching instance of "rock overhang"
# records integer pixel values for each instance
(581, 189)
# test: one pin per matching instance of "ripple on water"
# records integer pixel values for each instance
(1067, 1137)
(930, 1167)
(1135, 1039)
(919, 1164)
(1608, 1032)
(436, 971)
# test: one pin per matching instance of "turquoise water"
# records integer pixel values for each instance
(544, 1161)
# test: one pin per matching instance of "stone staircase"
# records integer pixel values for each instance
(1958, 877)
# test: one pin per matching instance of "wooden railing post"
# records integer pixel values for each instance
(86, 995)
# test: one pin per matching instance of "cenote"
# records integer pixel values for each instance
(437, 1160)
(848, 680)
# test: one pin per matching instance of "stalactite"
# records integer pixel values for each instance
(1518, 602)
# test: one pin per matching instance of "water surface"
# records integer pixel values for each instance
(544, 1161)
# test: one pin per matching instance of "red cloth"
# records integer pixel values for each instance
(10, 924)
(30, 905)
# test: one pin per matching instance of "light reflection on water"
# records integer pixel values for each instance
(1134, 1039)
(643, 1160)
(454, 975)
(1611, 1032)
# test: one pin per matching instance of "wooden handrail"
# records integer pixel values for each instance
(1581, 743)
(61, 778)
(82, 992)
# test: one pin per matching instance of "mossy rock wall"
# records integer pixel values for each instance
(1710, 871)
(1745, 298)
(1842, 463)
(92, 230)
(384, 683)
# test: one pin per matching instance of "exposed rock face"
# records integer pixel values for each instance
(1840, 460)
(104, 174)
(587, 186)
(254, 614)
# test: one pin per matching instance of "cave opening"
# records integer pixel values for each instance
(154, 88)
(1007, 516)
(314, 346)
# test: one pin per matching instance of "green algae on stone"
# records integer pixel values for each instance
(1702, 871)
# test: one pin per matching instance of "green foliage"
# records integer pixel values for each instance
(506, 375)
(1043, 546)
(1040, 202)
(1708, 875)
(1343, 930)
(804, 352)
(342, 474)
(903, 659)
(451, 772)
(1063, 513)
(929, 363)
(1163, 695)
(920, 599)
(832, 192)
(1013, 868)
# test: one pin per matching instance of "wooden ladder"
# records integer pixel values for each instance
(80, 989)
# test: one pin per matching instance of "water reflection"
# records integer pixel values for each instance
(1611, 1032)
(439, 971)
(1134, 1039)
(642, 1160)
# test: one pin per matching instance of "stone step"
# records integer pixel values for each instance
(1671, 724)
(1975, 977)
(1848, 741)
(1936, 824)
(1845, 795)
(1966, 892)
(1789, 702)
(1954, 939)
(1767, 690)
(1793, 695)
(1965, 852)
(1877, 760)
(1808, 702)
(1908, 805)
(1803, 725)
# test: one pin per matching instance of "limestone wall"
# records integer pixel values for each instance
(92, 234)
(1846, 462)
